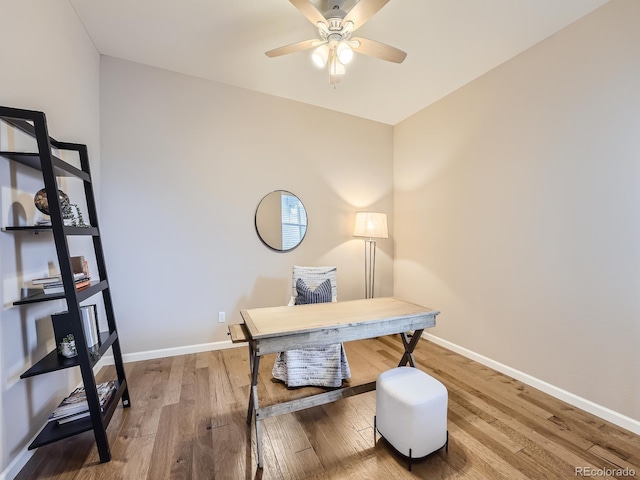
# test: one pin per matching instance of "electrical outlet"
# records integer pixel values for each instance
(221, 317)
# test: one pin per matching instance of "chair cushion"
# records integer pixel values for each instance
(321, 294)
(314, 276)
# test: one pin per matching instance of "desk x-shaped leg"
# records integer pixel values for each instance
(409, 345)
(252, 410)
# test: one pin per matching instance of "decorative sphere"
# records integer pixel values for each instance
(42, 204)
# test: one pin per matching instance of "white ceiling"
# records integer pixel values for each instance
(448, 42)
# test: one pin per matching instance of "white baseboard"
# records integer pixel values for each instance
(18, 463)
(171, 352)
(582, 403)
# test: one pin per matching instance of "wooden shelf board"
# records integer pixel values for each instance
(82, 294)
(32, 159)
(50, 363)
(39, 297)
(68, 230)
(53, 362)
(52, 432)
(26, 158)
(29, 228)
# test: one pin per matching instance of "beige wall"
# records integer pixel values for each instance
(185, 164)
(47, 63)
(517, 210)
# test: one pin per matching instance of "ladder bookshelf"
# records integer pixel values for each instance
(34, 124)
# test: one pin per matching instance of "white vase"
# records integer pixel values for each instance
(68, 349)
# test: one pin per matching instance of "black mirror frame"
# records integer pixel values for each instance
(255, 222)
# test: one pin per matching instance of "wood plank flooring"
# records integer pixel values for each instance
(188, 422)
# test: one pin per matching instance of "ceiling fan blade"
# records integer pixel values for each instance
(294, 47)
(378, 50)
(363, 11)
(309, 10)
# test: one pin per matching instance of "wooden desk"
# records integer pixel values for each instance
(278, 329)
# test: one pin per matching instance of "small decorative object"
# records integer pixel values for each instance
(42, 203)
(89, 314)
(76, 220)
(67, 347)
(69, 217)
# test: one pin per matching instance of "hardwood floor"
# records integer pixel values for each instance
(188, 422)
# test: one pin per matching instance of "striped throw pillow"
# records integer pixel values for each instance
(321, 294)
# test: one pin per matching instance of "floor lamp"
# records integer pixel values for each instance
(370, 225)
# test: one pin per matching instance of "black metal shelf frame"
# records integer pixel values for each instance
(34, 124)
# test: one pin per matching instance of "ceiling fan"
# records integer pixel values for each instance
(335, 46)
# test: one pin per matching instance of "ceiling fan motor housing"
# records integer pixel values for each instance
(335, 4)
(334, 13)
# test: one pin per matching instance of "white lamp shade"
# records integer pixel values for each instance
(344, 52)
(371, 225)
(320, 55)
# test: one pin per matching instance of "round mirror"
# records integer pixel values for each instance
(281, 221)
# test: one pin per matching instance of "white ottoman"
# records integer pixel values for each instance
(411, 412)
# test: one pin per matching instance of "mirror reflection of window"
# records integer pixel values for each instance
(281, 221)
(294, 221)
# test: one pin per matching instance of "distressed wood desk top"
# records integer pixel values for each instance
(275, 329)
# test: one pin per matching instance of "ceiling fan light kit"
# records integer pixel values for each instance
(344, 52)
(321, 55)
(335, 47)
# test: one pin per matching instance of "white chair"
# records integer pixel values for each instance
(325, 366)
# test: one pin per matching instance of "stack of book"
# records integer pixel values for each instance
(75, 406)
(53, 284)
(68, 222)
